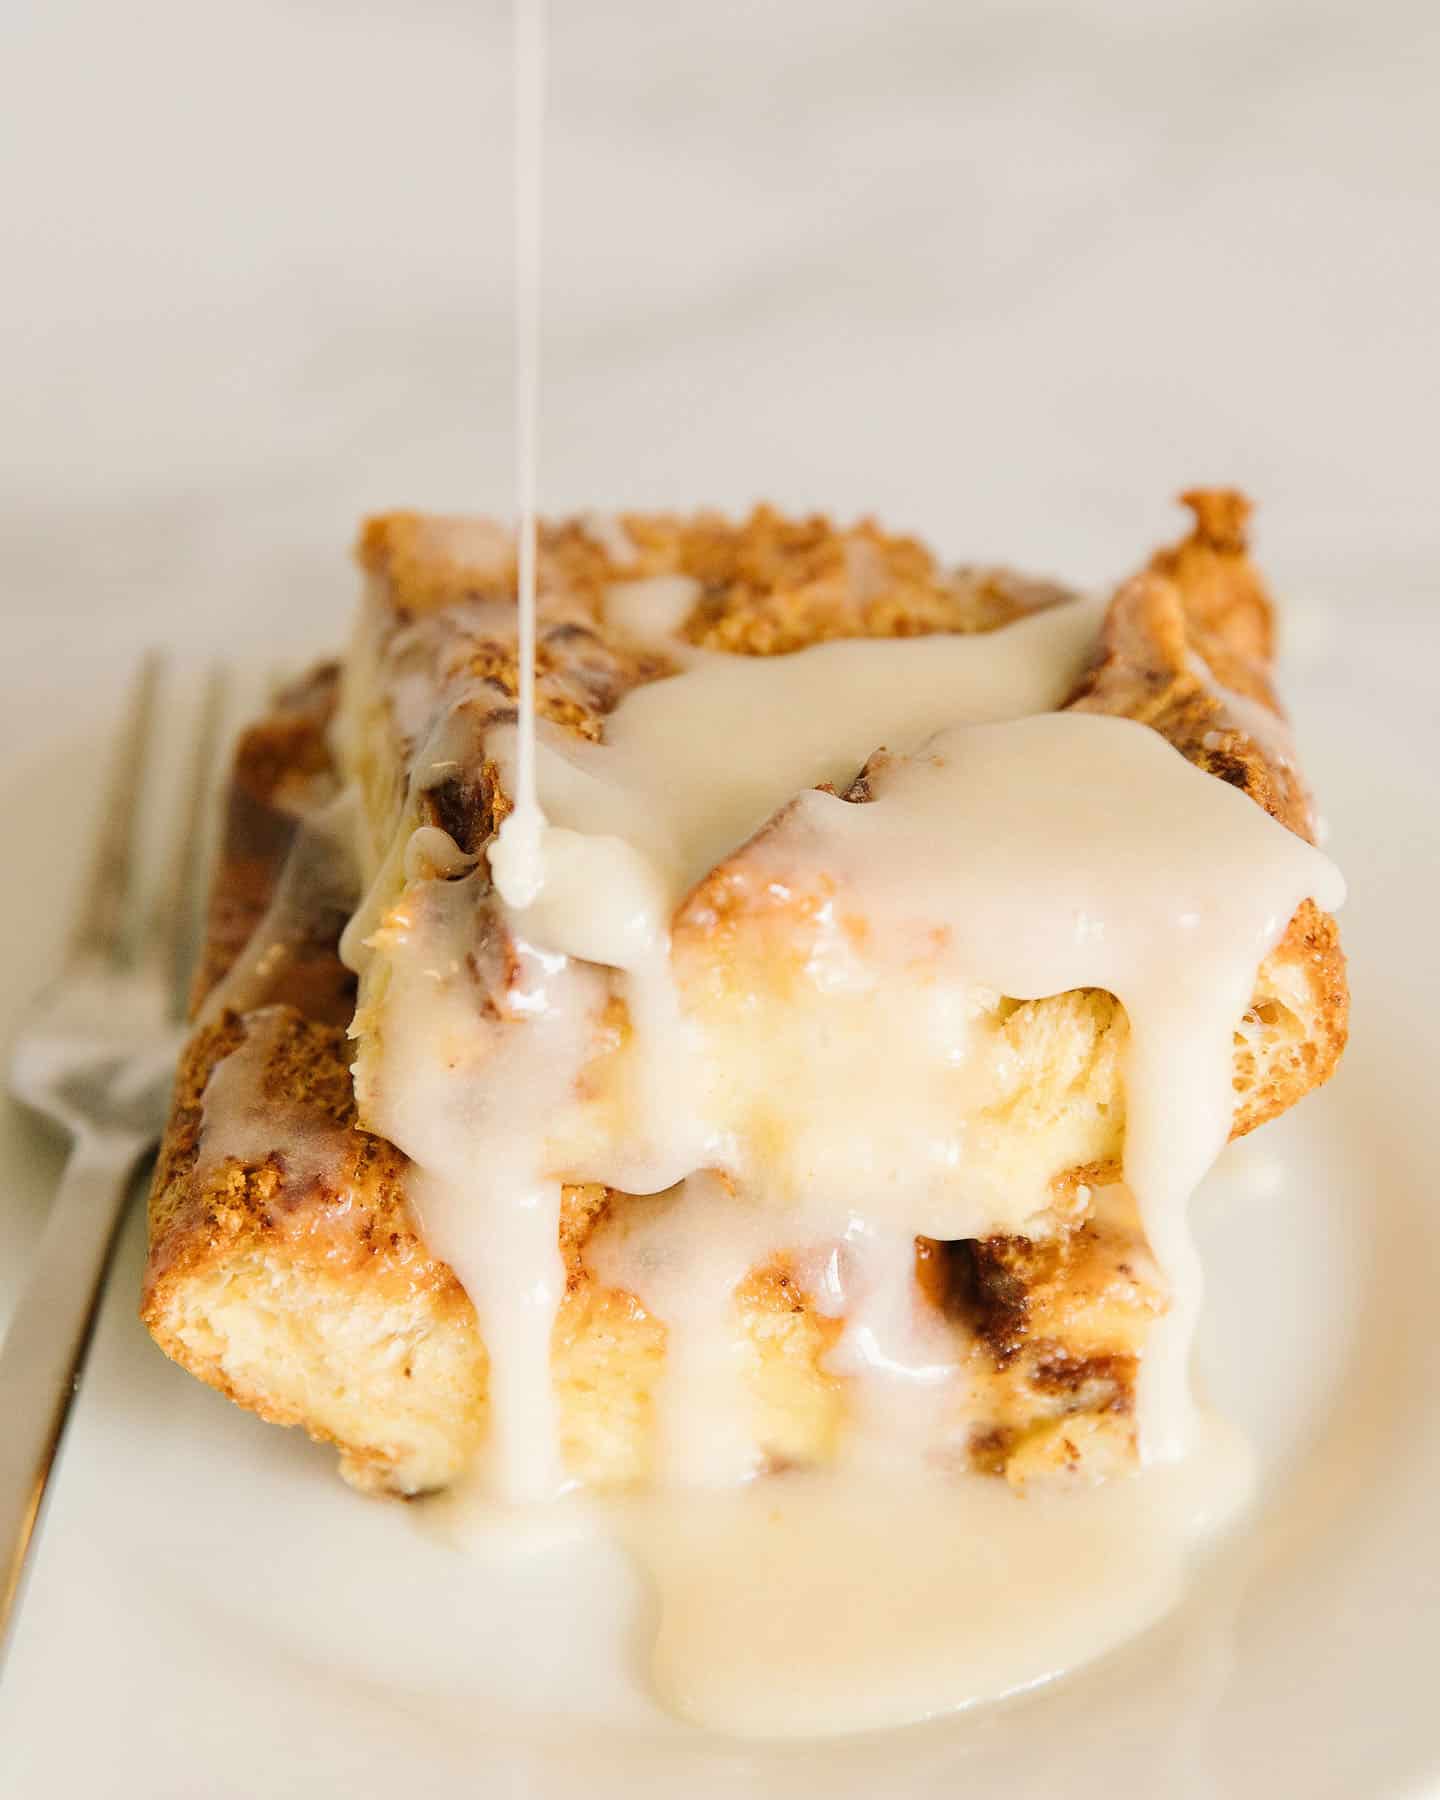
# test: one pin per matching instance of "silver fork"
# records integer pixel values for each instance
(95, 1053)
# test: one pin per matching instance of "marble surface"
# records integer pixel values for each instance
(1005, 273)
(1009, 274)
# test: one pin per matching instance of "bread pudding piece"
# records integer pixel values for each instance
(286, 1268)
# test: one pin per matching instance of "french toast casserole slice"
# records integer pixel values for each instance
(286, 1268)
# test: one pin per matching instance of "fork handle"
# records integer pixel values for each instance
(41, 1352)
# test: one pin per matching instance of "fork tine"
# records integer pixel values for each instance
(100, 926)
(172, 930)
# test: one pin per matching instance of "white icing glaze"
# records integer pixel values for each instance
(1055, 852)
(1064, 851)
(320, 876)
(691, 765)
(653, 610)
(1004, 849)
(241, 1123)
(1000, 853)
(901, 1358)
(811, 1606)
(682, 1254)
(465, 1058)
(1269, 729)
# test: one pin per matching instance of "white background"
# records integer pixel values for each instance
(1007, 274)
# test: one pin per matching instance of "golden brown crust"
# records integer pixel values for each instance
(1217, 707)
(427, 562)
(766, 584)
(1186, 649)
(775, 585)
(282, 772)
(338, 1224)
(201, 1212)
(1223, 592)
(1293, 1036)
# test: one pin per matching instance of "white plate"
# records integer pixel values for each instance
(1007, 274)
(211, 1612)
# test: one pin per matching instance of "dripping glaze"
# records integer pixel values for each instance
(1002, 849)
(988, 815)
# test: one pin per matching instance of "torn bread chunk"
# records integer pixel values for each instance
(306, 1254)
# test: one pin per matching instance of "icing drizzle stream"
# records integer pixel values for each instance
(523, 827)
